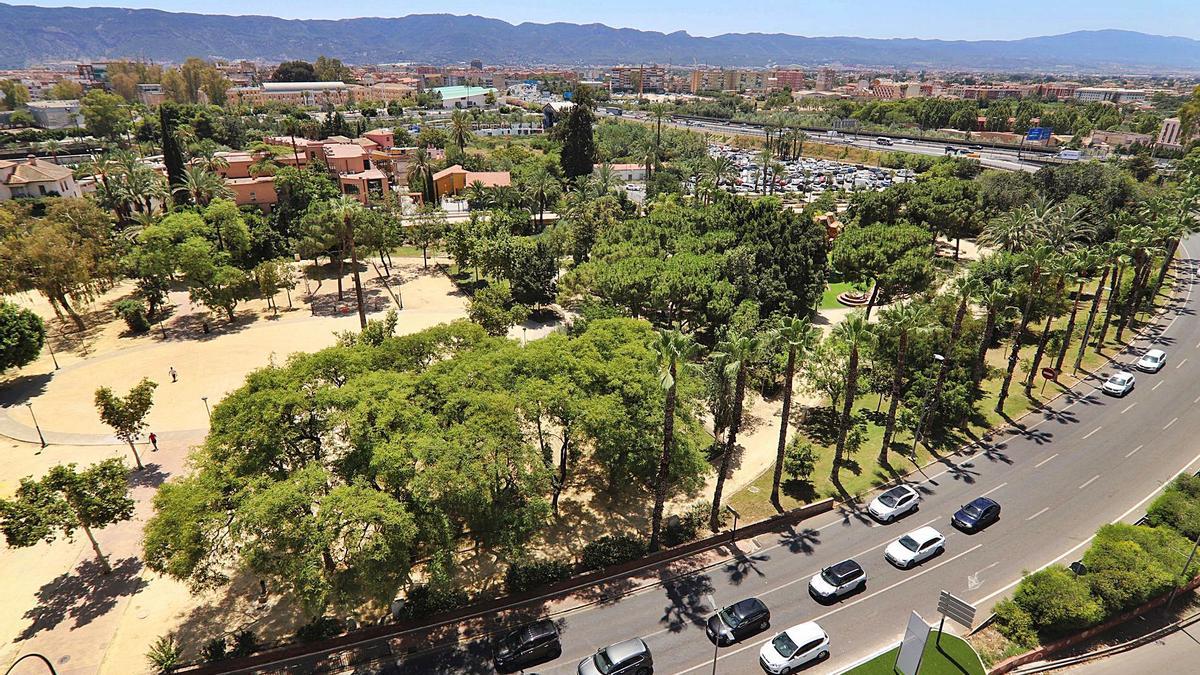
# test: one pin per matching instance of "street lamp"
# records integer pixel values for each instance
(206, 408)
(937, 358)
(53, 358)
(35, 424)
(524, 335)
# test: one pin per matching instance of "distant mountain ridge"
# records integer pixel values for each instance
(40, 34)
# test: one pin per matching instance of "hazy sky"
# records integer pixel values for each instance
(946, 19)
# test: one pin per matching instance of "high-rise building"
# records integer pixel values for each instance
(788, 79)
(826, 79)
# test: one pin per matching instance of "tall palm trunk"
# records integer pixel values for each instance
(897, 384)
(735, 422)
(1066, 341)
(1166, 265)
(985, 341)
(1087, 328)
(1114, 286)
(1044, 338)
(944, 369)
(847, 406)
(1141, 271)
(789, 375)
(358, 291)
(1016, 342)
(664, 463)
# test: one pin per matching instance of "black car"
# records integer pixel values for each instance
(976, 515)
(528, 645)
(976, 147)
(738, 621)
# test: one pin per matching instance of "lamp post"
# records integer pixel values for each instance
(53, 357)
(35, 424)
(45, 660)
(919, 433)
(206, 408)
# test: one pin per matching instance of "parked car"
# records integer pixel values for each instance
(526, 646)
(738, 621)
(631, 657)
(1119, 384)
(915, 547)
(894, 503)
(837, 580)
(794, 647)
(976, 515)
(1152, 361)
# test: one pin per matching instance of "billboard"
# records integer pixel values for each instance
(1038, 134)
(908, 661)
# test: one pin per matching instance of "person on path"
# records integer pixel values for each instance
(153, 442)
(174, 375)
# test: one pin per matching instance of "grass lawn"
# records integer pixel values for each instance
(829, 299)
(954, 657)
(862, 472)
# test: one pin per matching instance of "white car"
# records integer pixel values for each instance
(1119, 384)
(837, 580)
(915, 547)
(894, 503)
(1152, 361)
(794, 647)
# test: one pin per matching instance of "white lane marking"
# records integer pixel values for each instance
(973, 581)
(1091, 480)
(1087, 541)
(1173, 421)
(830, 613)
(1156, 386)
(1039, 464)
(1196, 400)
(1128, 407)
(1130, 453)
(1180, 364)
(993, 490)
(1038, 513)
(1091, 433)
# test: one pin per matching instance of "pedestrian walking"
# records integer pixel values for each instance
(174, 375)
(153, 442)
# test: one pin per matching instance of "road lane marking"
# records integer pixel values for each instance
(1156, 386)
(1173, 421)
(993, 490)
(1091, 433)
(1093, 479)
(1180, 364)
(1038, 513)
(1039, 464)
(1130, 453)
(761, 642)
(1128, 407)
(973, 581)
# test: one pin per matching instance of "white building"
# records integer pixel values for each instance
(34, 178)
(1110, 95)
(465, 96)
(625, 172)
(56, 114)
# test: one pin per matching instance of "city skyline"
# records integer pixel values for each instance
(937, 19)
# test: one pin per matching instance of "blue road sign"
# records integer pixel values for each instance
(1038, 134)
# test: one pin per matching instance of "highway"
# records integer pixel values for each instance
(1084, 461)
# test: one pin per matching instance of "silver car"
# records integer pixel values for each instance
(1119, 384)
(631, 657)
(1152, 361)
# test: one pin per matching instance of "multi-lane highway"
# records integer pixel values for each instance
(1084, 461)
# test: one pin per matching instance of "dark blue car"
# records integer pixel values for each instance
(976, 515)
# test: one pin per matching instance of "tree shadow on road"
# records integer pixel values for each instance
(83, 595)
(686, 595)
(152, 476)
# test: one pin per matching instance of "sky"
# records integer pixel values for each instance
(944, 19)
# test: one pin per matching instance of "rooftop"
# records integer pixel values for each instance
(462, 92)
(281, 87)
(34, 171)
(344, 151)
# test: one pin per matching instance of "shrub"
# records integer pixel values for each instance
(321, 628)
(686, 527)
(1178, 507)
(799, 460)
(214, 650)
(612, 550)
(134, 314)
(245, 643)
(1015, 624)
(164, 654)
(526, 575)
(1122, 574)
(1057, 601)
(424, 601)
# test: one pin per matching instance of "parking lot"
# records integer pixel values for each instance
(808, 176)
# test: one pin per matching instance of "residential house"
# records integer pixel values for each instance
(454, 179)
(34, 178)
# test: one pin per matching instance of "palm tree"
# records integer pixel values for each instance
(736, 354)
(348, 212)
(1013, 231)
(855, 332)
(904, 320)
(202, 186)
(649, 160)
(292, 127)
(421, 169)
(479, 196)
(994, 299)
(1109, 267)
(1059, 269)
(720, 168)
(798, 336)
(52, 146)
(671, 348)
(1140, 242)
(542, 188)
(605, 180)
(659, 112)
(963, 288)
(460, 130)
(1036, 260)
(1083, 264)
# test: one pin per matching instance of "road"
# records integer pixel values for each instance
(1084, 461)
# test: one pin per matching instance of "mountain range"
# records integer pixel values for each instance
(30, 35)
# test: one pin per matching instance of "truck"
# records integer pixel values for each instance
(1071, 155)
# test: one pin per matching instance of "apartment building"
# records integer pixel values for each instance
(989, 92)
(56, 114)
(1170, 135)
(826, 79)
(1116, 95)
(638, 79)
(310, 94)
(788, 79)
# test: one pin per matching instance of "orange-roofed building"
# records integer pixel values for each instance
(258, 191)
(454, 179)
(345, 158)
(364, 184)
(384, 138)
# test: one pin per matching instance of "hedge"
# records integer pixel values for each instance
(612, 550)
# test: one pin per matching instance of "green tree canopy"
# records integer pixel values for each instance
(22, 335)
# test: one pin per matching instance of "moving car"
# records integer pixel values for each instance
(837, 580)
(631, 657)
(915, 547)
(976, 515)
(1152, 361)
(894, 503)
(528, 645)
(738, 621)
(975, 147)
(1119, 384)
(882, 140)
(794, 647)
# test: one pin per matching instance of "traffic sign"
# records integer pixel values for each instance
(959, 611)
(1050, 373)
(1037, 134)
